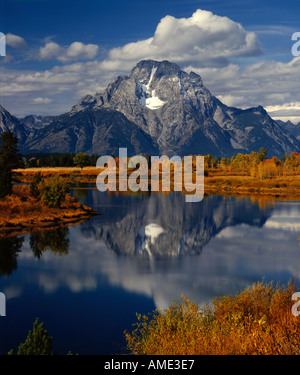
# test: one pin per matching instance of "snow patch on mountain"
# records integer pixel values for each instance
(154, 102)
(235, 145)
(148, 97)
(152, 231)
(147, 237)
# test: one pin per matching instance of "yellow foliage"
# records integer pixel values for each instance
(257, 320)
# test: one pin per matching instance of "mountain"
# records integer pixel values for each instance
(290, 128)
(11, 123)
(99, 131)
(36, 121)
(165, 226)
(159, 109)
(183, 117)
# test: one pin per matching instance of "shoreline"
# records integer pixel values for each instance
(283, 186)
(279, 187)
(19, 226)
(34, 217)
(20, 213)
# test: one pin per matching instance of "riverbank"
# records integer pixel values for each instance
(20, 212)
(283, 186)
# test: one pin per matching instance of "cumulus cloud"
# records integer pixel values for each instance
(79, 50)
(15, 41)
(22, 90)
(204, 39)
(205, 43)
(50, 51)
(273, 84)
(42, 100)
(76, 51)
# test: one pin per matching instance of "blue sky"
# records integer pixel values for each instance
(59, 51)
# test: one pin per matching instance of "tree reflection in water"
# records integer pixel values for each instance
(10, 247)
(55, 240)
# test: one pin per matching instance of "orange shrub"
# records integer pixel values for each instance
(257, 320)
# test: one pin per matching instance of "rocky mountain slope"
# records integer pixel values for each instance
(183, 117)
(290, 128)
(159, 109)
(36, 121)
(11, 123)
(98, 131)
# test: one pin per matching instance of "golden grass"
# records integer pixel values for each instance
(257, 320)
(283, 186)
(22, 210)
(216, 182)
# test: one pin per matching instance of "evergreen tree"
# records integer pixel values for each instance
(38, 342)
(34, 186)
(262, 155)
(6, 184)
(9, 159)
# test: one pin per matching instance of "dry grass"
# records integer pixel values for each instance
(21, 209)
(283, 186)
(257, 320)
(216, 181)
(46, 171)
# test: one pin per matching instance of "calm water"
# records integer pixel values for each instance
(87, 282)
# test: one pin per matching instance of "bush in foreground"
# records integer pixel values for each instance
(257, 320)
(38, 342)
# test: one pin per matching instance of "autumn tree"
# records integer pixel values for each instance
(208, 161)
(215, 162)
(53, 191)
(82, 160)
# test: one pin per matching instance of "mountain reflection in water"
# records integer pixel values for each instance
(141, 252)
(163, 226)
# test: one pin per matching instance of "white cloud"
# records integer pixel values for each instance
(204, 39)
(205, 43)
(277, 30)
(50, 51)
(79, 50)
(231, 100)
(42, 100)
(272, 84)
(15, 41)
(64, 85)
(76, 51)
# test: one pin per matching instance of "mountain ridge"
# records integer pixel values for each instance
(9, 122)
(159, 108)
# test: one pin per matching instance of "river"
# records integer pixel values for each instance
(86, 282)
